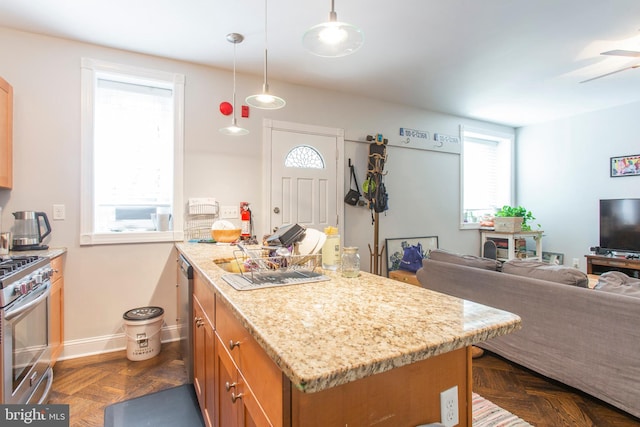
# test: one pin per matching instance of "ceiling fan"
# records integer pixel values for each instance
(618, 52)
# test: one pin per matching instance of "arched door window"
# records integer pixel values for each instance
(304, 156)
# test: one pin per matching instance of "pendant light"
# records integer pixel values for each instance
(234, 129)
(333, 38)
(265, 100)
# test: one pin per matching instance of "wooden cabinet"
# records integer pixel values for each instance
(404, 276)
(601, 264)
(204, 349)
(238, 384)
(6, 134)
(259, 381)
(236, 403)
(56, 309)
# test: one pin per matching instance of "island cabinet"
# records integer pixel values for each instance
(56, 309)
(6, 134)
(341, 352)
(204, 348)
(251, 389)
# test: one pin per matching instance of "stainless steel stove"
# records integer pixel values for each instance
(25, 353)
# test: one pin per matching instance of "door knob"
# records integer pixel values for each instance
(276, 210)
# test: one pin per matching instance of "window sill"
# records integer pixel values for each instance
(131, 237)
(470, 226)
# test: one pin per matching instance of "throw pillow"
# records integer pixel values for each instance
(545, 271)
(619, 283)
(467, 260)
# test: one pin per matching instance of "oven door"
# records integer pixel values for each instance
(26, 352)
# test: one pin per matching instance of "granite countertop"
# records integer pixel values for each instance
(49, 253)
(329, 333)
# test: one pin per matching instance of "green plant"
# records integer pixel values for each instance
(526, 215)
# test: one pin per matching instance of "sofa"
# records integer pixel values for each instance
(586, 338)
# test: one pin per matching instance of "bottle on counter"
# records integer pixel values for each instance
(331, 249)
(350, 262)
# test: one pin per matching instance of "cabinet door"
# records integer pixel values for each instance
(203, 350)
(236, 404)
(227, 389)
(6, 134)
(56, 310)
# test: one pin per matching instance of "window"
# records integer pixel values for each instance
(304, 156)
(132, 142)
(487, 174)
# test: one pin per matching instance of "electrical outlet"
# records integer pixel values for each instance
(229, 212)
(576, 263)
(59, 212)
(449, 407)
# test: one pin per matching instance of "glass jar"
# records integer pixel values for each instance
(350, 262)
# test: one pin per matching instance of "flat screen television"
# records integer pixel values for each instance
(620, 225)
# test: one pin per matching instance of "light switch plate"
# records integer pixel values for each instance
(229, 212)
(59, 212)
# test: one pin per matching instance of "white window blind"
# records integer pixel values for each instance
(132, 161)
(487, 174)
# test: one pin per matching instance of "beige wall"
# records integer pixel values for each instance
(102, 282)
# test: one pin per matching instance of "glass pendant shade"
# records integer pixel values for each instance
(265, 100)
(333, 38)
(234, 129)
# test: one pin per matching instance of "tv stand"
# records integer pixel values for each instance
(598, 264)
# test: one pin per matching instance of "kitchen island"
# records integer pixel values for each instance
(343, 352)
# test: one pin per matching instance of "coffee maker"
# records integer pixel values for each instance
(29, 229)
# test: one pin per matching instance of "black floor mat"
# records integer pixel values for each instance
(174, 407)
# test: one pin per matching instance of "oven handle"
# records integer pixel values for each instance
(37, 300)
(45, 395)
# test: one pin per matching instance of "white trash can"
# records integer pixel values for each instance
(142, 327)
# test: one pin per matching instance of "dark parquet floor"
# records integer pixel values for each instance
(91, 383)
(540, 401)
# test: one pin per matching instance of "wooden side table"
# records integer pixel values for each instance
(404, 276)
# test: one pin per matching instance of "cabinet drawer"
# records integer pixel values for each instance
(404, 276)
(203, 291)
(260, 372)
(56, 265)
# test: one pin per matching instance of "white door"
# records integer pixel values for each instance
(305, 182)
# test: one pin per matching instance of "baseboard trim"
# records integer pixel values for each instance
(109, 343)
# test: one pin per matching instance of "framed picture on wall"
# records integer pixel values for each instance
(395, 249)
(625, 165)
(553, 258)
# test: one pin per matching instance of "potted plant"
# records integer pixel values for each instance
(512, 219)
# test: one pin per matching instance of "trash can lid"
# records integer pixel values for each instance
(143, 313)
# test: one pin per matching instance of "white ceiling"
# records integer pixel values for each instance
(515, 62)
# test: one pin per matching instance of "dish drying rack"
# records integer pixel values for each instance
(199, 217)
(264, 267)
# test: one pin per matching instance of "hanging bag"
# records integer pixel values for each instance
(412, 258)
(353, 196)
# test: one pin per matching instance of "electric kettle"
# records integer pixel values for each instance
(28, 230)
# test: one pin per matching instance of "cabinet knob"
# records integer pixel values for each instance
(228, 386)
(233, 344)
(235, 397)
(199, 321)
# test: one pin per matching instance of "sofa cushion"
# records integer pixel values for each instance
(619, 283)
(544, 271)
(467, 260)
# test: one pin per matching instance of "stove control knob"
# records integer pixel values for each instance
(23, 288)
(38, 278)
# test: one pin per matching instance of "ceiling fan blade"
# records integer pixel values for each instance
(613, 72)
(620, 52)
